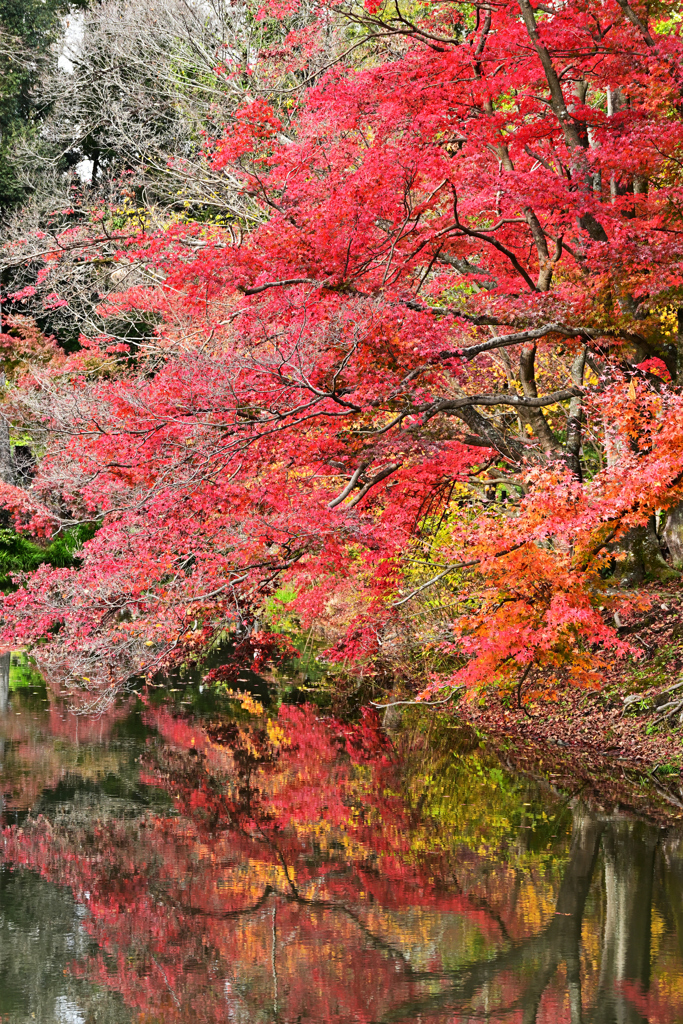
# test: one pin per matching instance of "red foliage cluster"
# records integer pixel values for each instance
(258, 650)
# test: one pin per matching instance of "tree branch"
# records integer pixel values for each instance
(349, 487)
(281, 284)
(635, 20)
(382, 475)
(452, 568)
(479, 321)
(504, 340)
(505, 398)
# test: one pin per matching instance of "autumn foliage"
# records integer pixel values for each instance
(437, 367)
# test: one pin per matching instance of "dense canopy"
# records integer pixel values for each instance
(424, 379)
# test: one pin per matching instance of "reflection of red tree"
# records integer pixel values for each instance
(293, 883)
(33, 764)
(78, 729)
(659, 1008)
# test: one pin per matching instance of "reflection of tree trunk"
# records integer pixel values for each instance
(673, 858)
(572, 899)
(629, 850)
(4, 681)
(577, 878)
(4, 704)
(629, 874)
(273, 945)
(536, 958)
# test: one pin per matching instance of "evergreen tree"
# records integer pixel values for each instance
(29, 30)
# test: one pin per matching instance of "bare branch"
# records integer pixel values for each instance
(449, 569)
(282, 284)
(635, 20)
(377, 478)
(504, 398)
(350, 486)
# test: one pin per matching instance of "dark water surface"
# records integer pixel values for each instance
(170, 862)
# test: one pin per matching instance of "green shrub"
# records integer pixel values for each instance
(19, 554)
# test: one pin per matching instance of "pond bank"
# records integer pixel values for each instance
(602, 744)
(621, 745)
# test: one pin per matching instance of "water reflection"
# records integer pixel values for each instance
(41, 932)
(294, 869)
(4, 681)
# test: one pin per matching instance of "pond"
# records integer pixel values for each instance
(182, 860)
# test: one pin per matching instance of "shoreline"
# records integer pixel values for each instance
(620, 745)
(598, 751)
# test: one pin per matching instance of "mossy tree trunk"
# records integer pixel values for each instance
(673, 535)
(643, 555)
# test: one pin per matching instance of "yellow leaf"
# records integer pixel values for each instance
(249, 704)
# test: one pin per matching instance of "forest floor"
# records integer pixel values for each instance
(620, 745)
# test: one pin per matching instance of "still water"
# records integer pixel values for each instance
(173, 861)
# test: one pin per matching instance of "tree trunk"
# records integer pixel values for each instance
(673, 535)
(644, 559)
(673, 531)
(6, 460)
